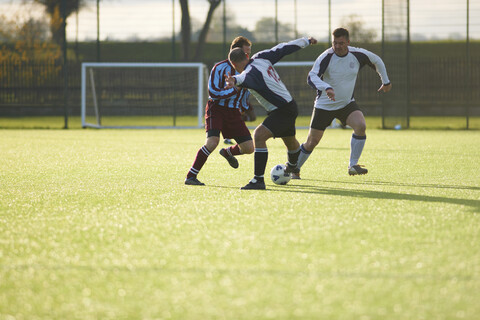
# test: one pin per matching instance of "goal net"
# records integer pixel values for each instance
(142, 95)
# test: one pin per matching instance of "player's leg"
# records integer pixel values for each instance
(293, 151)
(235, 127)
(356, 120)
(260, 137)
(213, 126)
(202, 155)
(306, 149)
(321, 119)
(244, 146)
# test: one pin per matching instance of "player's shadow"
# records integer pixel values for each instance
(397, 184)
(371, 194)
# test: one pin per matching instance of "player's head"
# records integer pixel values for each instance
(340, 41)
(243, 43)
(238, 58)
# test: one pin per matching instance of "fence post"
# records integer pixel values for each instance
(468, 73)
(65, 63)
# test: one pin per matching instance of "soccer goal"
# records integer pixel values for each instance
(142, 95)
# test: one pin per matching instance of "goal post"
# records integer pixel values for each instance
(142, 95)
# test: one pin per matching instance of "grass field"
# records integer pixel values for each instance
(74, 122)
(97, 224)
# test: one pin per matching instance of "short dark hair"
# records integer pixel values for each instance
(237, 55)
(239, 42)
(341, 32)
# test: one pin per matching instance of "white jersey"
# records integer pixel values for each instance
(340, 74)
(263, 80)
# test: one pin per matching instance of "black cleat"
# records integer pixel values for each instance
(291, 169)
(232, 161)
(193, 181)
(296, 175)
(254, 184)
(357, 169)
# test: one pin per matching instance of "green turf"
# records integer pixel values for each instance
(74, 122)
(97, 224)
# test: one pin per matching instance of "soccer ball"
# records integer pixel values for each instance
(279, 176)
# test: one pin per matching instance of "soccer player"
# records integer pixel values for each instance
(247, 115)
(333, 76)
(259, 76)
(222, 114)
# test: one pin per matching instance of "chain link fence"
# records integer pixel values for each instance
(443, 58)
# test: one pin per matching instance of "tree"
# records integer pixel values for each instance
(234, 29)
(357, 30)
(53, 9)
(186, 32)
(25, 40)
(265, 30)
(206, 26)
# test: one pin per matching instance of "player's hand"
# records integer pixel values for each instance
(385, 88)
(330, 94)
(312, 40)
(229, 81)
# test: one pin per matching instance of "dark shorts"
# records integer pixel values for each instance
(226, 120)
(281, 122)
(321, 118)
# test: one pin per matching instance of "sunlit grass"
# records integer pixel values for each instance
(97, 224)
(74, 122)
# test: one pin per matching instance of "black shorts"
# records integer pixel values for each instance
(281, 122)
(322, 118)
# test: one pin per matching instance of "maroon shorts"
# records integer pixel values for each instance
(226, 120)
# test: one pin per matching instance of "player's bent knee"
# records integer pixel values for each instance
(212, 143)
(246, 147)
(360, 130)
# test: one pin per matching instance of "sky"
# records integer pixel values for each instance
(147, 19)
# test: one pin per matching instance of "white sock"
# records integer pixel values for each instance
(356, 147)
(304, 154)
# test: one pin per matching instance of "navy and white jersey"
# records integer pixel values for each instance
(340, 73)
(232, 98)
(263, 80)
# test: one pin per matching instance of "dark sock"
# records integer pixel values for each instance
(293, 156)
(234, 150)
(200, 159)
(260, 159)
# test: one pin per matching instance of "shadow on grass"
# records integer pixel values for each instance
(397, 184)
(370, 194)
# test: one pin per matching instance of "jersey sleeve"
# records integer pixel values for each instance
(216, 82)
(377, 63)
(315, 75)
(279, 51)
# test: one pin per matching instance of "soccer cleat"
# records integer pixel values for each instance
(232, 161)
(227, 141)
(193, 181)
(296, 175)
(291, 169)
(254, 184)
(357, 169)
